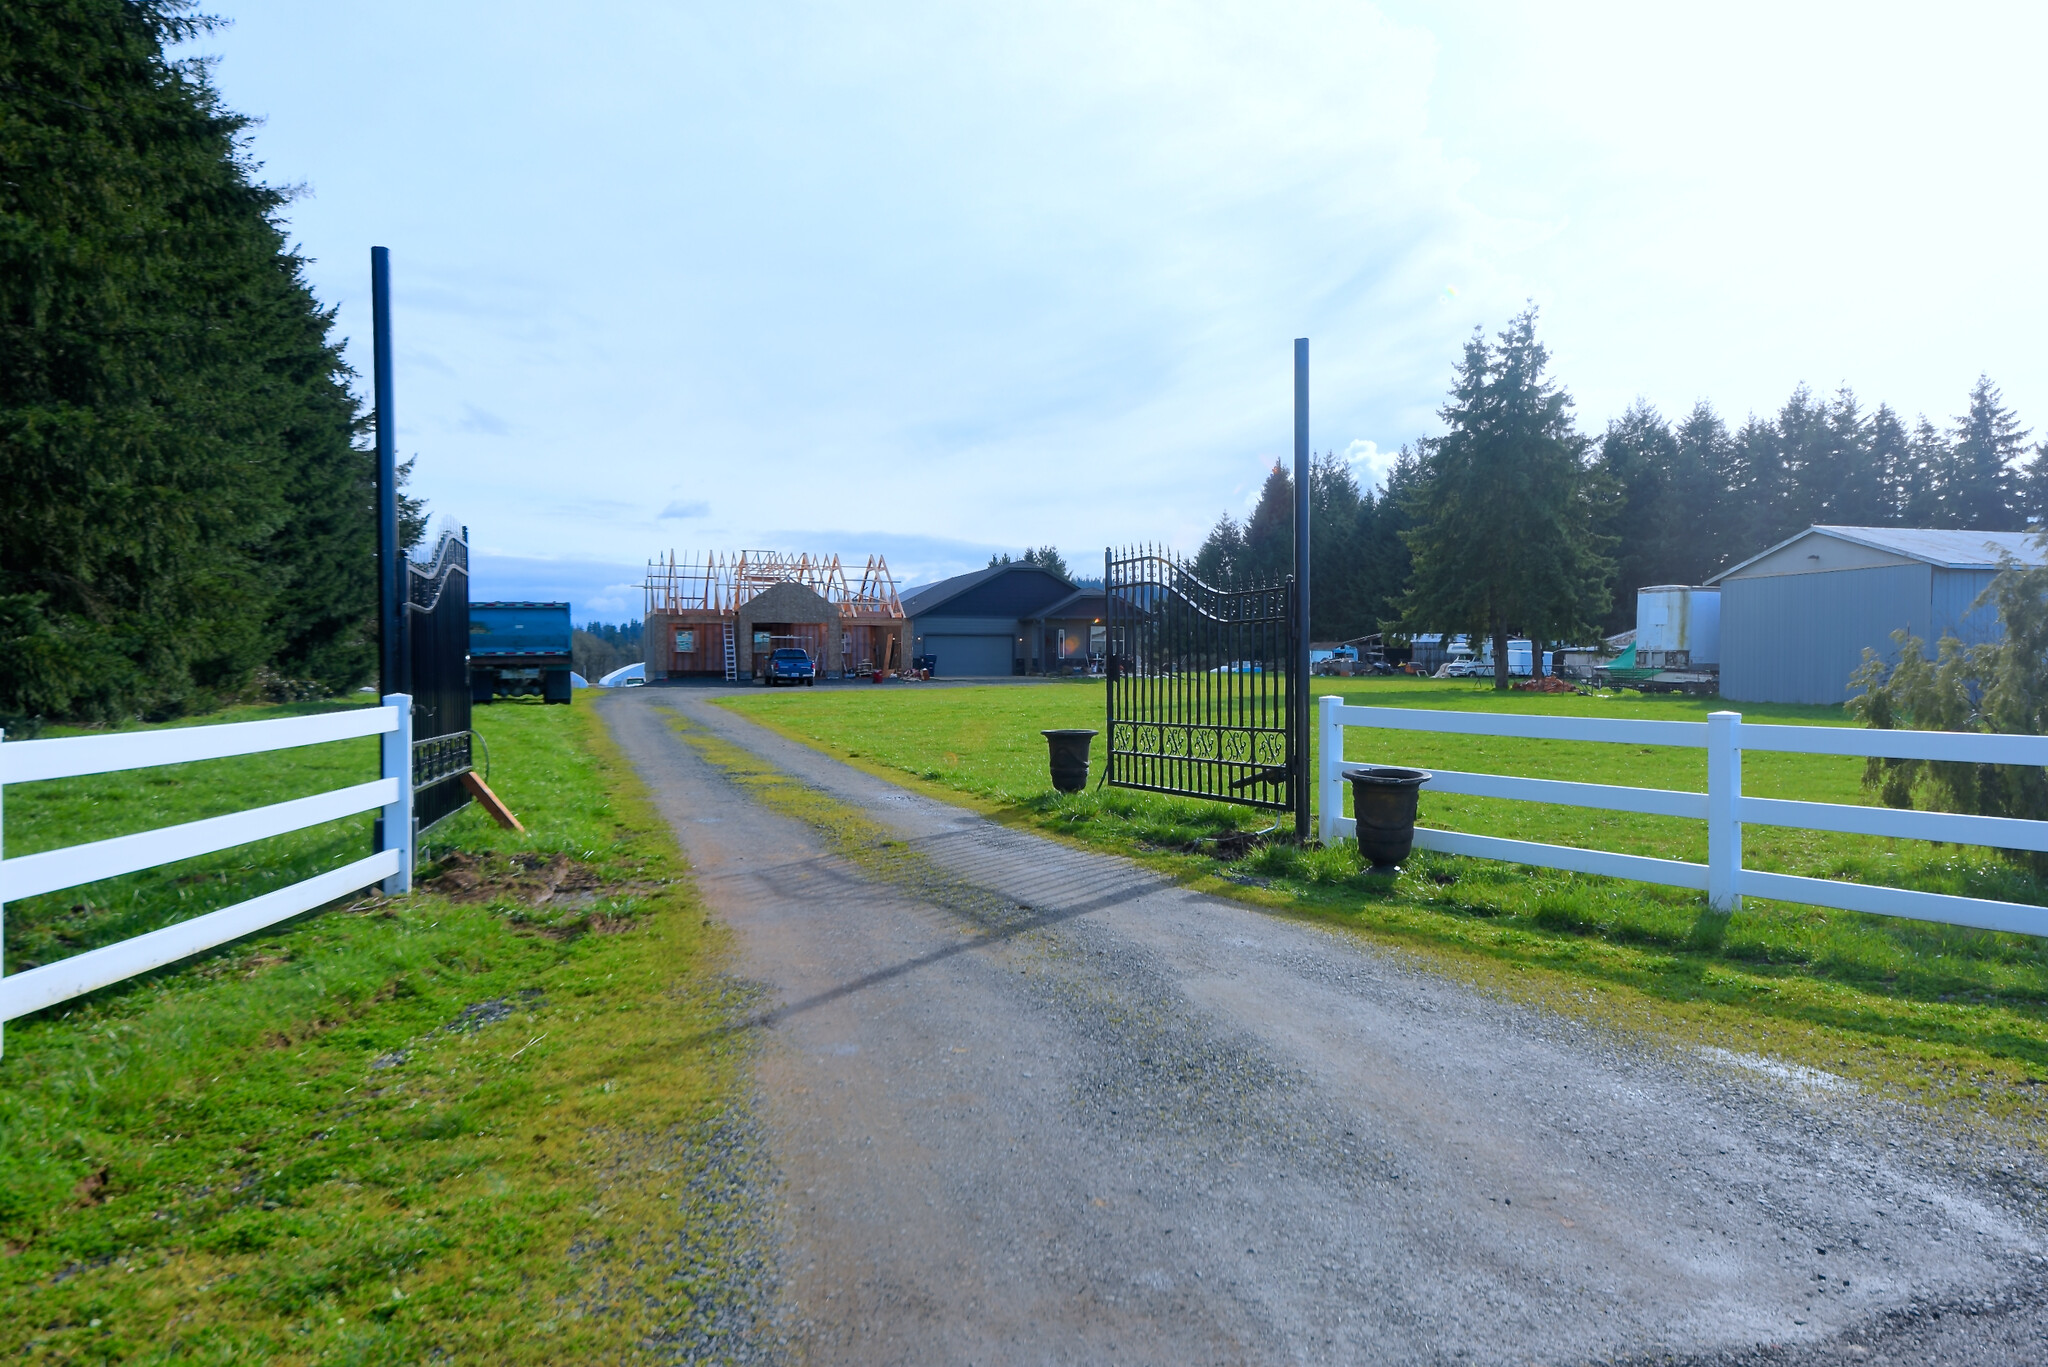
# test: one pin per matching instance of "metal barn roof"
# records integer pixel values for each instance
(1953, 550)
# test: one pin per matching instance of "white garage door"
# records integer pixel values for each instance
(970, 657)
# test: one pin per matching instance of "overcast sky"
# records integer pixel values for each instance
(938, 279)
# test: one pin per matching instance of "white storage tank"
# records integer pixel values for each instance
(1678, 627)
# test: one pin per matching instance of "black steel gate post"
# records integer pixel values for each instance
(391, 573)
(1297, 663)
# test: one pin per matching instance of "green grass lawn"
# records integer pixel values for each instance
(495, 1120)
(1932, 1009)
(44, 816)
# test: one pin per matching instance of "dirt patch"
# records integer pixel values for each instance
(551, 895)
(1549, 683)
(533, 879)
(92, 1188)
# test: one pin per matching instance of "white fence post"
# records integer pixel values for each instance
(1724, 805)
(1329, 764)
(398, 815)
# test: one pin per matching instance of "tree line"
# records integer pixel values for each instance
(190, 505)
(597, 648)
(1512, 522)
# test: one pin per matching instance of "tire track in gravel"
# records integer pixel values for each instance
(1028, 1103)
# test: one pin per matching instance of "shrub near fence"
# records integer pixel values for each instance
(74, 756)
(1724, 736)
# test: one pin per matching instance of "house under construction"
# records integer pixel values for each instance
(722, 616)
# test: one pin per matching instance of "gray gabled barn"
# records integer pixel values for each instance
(1796, 619)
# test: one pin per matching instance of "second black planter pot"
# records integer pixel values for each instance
(1384, 800)
(1069, 755)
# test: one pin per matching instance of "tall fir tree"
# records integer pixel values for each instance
(1804, 452)
(1706, 471)
(1269, 531)
(1638, 461)
(1504, 531)
(1986, 449)
(1853, 494)
(185, 499)
(1760, 486)
(1925, 502)
(1892, 454)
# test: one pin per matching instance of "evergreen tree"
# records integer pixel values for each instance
(1853, 494)
(1222, 558)
(185, 499)
(1805, 452)
(2033, 489)
(1705, 472)
(1269, 531)
(1924, 502)
(1380, 545)
(1335, 612)
(1760, 489)
(1988, 446)
(1891, 452)
(1638, 463)
(1504, 527)
(1049, 558)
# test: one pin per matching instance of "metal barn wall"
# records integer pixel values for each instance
(1954, 591)
(1796, 638)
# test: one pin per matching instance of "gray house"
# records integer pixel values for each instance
(1006, 619)
(1796, 619)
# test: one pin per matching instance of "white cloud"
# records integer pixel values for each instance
(1369, 464)
(682, 508)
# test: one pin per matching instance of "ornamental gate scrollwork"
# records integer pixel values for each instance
(1201, 697)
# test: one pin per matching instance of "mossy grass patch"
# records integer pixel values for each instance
(500, 1123)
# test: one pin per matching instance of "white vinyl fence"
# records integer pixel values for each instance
(1724, 736)
(70, 757)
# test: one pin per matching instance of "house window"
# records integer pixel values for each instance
(686, 640)
(761, 640)
(1098, 640)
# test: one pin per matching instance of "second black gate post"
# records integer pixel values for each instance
(1298, 666)
(391, 585)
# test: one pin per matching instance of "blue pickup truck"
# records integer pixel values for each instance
(791, 666)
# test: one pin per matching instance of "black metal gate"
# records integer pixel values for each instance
(437, 612)
(1202, 697)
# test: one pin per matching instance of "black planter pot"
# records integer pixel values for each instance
(1069, 758)
(1384, 799)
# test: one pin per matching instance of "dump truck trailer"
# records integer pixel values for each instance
(520, 650)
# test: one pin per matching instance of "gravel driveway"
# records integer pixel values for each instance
(1039, 1105)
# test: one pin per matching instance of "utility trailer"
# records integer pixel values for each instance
(520, 650)
(1677, 644)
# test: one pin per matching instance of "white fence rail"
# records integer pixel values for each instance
(1724, 736)
(32, 874)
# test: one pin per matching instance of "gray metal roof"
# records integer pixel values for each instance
(1951, 550)
(939, 590)
(932, 597)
